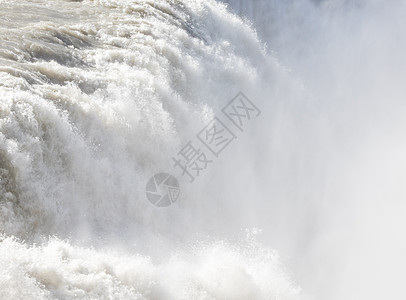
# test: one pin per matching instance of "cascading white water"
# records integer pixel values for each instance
(97, 96)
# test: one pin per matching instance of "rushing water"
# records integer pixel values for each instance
(98, 96)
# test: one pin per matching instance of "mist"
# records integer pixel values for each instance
(331, 166)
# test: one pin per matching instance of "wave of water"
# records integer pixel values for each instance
(97, 96)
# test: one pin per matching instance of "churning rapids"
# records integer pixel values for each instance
(97, 96)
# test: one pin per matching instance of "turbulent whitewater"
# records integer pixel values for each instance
(95, 97)
(98, 96)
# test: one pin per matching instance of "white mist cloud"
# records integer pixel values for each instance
(334, 169)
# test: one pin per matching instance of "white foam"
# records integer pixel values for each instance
(95, 98)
